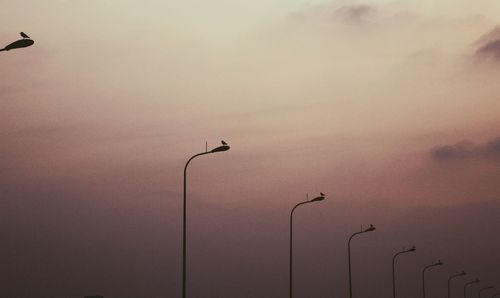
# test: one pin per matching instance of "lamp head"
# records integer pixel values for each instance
(370, 228)
(463, 273)
(222, 148)
(320, 198)
(21, 43)
(439, 263)
(413, 248)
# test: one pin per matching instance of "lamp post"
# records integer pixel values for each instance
(469, 283)
(317, 199)
(438, 263)
(369, 229)
(26, 41)
(484, 289)
(222, 148)
(413, 248)
(452, 277)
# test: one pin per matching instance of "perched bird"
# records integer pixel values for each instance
(322, 194)
(24, 35)
(223, 143)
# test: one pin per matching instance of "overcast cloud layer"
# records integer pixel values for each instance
(391, 108)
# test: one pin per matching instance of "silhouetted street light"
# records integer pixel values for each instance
(222, 148)
(413, 248)
(317, 199)
(452, 277)
(438, 263)
(468, 284)
(369, 229)
(484, 289)
(21, 43)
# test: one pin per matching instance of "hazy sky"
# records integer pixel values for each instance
(392, 108)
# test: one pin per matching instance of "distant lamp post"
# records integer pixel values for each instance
(438, 263)
(317, 199)
(21, 43)
(369, 229)
(468, 284)
(413, 248)
(222, 148)
(452, 277)
(484, 289)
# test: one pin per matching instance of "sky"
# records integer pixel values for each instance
(391, 108)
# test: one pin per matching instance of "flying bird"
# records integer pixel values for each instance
(24, 35)
(223, 143)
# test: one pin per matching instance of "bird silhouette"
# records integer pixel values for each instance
(24, 35)
(223, 143)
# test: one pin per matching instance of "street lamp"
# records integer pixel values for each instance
(484, 289)
(413, 248)
(369, 229)
(317, 199)
(452, 277)
(222, 148)
(438, 263)
(26, 41)
(469, 283)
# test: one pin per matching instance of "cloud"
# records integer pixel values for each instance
(459, 150)
(467, 150)
(491, 49)
(493, 146)
(489, 44)
(355, 13)
(335, 13)
(493, 34)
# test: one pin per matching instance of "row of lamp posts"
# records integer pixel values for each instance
(319, 198)
(26, 41)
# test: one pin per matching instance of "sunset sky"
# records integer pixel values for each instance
(391, 108)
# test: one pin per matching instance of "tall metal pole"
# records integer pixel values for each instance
(394, 268)
(482, 290)
(369, 229)
(467, 284)
(184, 226)
(222, 148)
(290, 283)
(291, 249)
(349, 261)
(452, 277)
(423, 275)
(394, 276)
